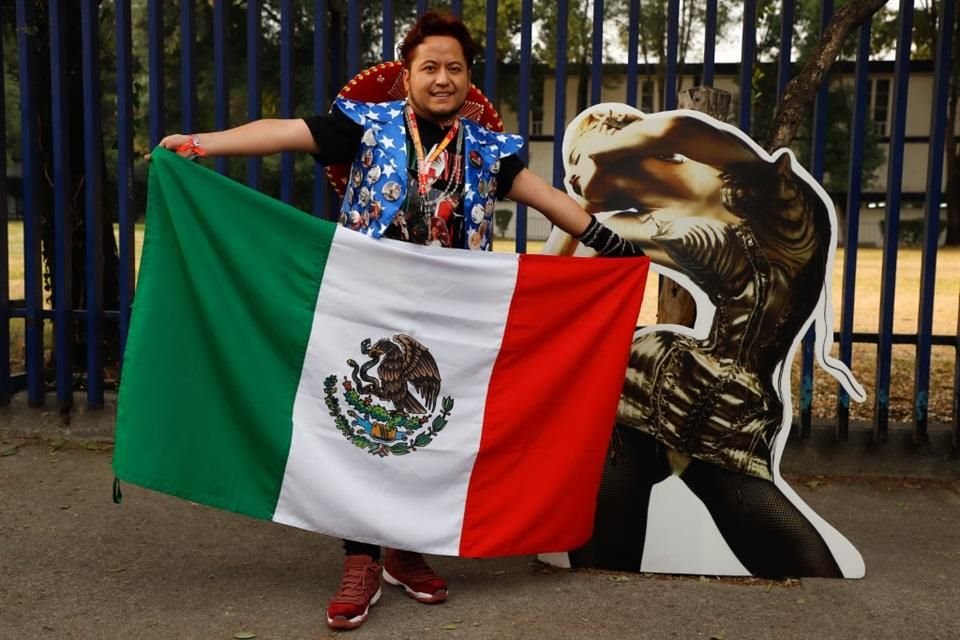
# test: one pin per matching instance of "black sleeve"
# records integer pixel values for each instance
(510, 166)
(336, 135)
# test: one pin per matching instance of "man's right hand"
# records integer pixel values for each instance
(176, 141)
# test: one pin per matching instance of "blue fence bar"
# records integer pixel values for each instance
(748, 46)
(155, 41)
(188, 68)
(389, 45)
(30, 75)
(786, 46)
(254, 99)
(633, 44)
(421, 7)
(321, 57)
(93, 200)
(125, 213)
(338, 43)
(596, 56)
(4, 247)
(221, 79)
(710, 43)
(353, 39)
(560, 94)
(852, 228)
(892, 221)
(523, 110)
(62, 207)
(286, 93)
(456, 7)
(673, 40)
(931, 228)
(816, 163)
(490, 53)
(62, 214)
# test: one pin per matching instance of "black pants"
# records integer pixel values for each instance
(352, 547)
(767, 533)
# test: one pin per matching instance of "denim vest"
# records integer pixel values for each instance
(377, 183)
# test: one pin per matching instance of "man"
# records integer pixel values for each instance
(421, 174)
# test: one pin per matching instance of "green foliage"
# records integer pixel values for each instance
(840, 94)
(501, 218)
(806, 32)
(652, 47)
(910, 232)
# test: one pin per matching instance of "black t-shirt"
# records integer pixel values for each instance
(437, 216)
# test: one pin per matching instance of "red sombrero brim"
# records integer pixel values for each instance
(384, 82)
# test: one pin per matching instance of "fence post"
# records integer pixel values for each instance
(674, 304)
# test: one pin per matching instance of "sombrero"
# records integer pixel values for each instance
(384, 82)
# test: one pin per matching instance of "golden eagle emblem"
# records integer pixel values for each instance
(401, 364)
(402, 372)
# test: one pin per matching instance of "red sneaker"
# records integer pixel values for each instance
(359, 590)
(410, 571)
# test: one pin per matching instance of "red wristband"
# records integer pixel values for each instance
(192, 147)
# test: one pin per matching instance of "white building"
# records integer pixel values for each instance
(880, 112)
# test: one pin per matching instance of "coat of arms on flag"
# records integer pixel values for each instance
(405, 369)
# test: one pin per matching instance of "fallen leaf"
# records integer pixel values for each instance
(499, 572)
(244, 635)
(9, 451)
(813, 484)
(450, 627)
(620, 578)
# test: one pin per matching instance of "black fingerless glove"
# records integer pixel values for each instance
(607, 243)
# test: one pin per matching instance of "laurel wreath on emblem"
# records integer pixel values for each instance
(408, 378)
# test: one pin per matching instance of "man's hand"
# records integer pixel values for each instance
(177, 142)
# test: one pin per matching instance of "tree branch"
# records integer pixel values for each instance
(802, 89)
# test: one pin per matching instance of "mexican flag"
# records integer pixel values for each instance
(437, 400)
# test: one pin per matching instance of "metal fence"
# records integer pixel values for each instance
(338, 49)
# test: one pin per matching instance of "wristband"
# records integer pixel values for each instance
(192, 147)
(606, 242)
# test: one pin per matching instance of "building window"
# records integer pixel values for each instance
(536, 104)
(646, 96)
(880, 105)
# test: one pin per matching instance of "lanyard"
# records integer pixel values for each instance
(423, 164)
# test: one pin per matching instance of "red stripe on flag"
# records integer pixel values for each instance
(551, 405)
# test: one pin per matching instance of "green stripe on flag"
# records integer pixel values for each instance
(221, 319)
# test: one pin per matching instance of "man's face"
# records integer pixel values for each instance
(437, 79)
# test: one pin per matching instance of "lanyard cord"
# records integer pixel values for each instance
(423, 164)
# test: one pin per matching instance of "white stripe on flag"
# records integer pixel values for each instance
(460, 302)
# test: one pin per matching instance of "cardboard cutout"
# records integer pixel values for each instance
(692, 482)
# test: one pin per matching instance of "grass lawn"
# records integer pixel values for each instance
(866, 319)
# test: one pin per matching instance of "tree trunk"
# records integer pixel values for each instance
(674, 304)
(952, 155)
(802, 89)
